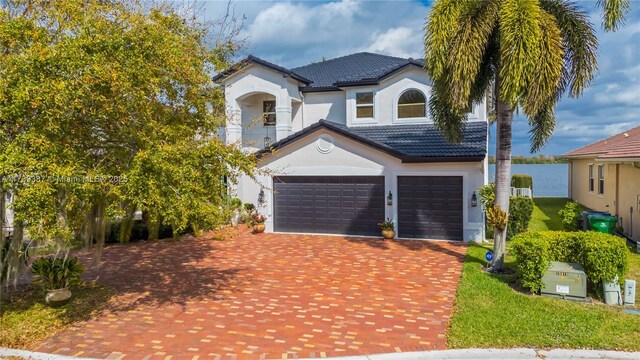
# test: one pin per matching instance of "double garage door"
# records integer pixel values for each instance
(429, 207)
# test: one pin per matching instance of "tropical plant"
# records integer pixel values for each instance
(387, 224)
(57, 273)
(530, 52)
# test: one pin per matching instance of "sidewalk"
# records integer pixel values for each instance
(464, 354)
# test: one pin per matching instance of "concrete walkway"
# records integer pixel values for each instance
(465, 354)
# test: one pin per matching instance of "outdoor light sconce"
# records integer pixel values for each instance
(474, 200)
(389, 199)
(267, 141)
(261, 197)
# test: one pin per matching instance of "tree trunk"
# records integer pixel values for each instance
(127, 224)
(153, 225)
(503, 173)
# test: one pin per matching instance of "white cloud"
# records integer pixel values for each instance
(400, 41)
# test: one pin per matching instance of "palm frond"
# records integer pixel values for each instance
(542, 126)
(447, 120)
(614, 12)
(547, 72)
(487, 72)
(519, 46)
(441, 27)
(476, 25)
(580, 44)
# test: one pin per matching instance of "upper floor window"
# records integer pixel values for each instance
(364, 105)
(591, 179)
(269, 112)
(600, 179)
(412, 104)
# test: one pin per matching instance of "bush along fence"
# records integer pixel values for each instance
(520, 211)
(604, 257)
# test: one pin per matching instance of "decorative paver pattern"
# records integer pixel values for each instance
(268, 296)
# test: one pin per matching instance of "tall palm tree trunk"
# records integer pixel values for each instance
(503, 172)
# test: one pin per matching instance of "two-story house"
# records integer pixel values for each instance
(348, 142)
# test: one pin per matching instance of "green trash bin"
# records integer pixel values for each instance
(603, 223)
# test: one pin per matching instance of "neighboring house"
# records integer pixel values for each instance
(605, 176)
(349, 142)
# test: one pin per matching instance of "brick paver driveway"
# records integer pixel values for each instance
(270, 296)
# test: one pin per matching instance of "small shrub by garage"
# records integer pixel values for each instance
(603, 257)
(522, 181)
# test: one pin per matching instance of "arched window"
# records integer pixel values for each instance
(412, 104)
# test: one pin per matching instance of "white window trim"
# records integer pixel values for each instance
(414, 120)
(591, 174)
(274, 112)
(601, 194)
(352, 106)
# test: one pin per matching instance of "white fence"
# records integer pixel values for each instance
(526, 192)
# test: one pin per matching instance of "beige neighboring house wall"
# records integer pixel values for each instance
(621, 190)
(620, 156)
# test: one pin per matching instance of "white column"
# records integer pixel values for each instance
(283, 120)
(234, 127)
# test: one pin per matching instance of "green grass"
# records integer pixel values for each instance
(545, 214)
(491, 313)
(27, 320)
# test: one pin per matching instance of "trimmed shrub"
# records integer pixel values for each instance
(520, 211)
(522, 181)
(570, 215)
(603, 257)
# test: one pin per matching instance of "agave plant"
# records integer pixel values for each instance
(57, 273)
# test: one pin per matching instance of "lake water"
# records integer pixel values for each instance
(548, 179)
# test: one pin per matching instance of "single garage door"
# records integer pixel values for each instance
(430, 207)
(350, 205)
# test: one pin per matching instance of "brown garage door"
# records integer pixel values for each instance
(430, 207)
(350, 205)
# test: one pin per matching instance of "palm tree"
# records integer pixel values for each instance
(531, 52)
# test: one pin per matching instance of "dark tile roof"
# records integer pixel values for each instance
(351, 70)
(410, 143)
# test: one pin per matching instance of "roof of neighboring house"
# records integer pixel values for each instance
(351, 70)
(619, 146)
(410, 143)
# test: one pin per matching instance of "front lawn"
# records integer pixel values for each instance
(489, 313)
(545, 214)
(26, 320)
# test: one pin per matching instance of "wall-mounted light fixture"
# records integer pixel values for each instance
(389, 199)
(261, 197)
(474, 200)
(267, 141)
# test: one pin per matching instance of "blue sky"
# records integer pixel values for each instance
(294, 33)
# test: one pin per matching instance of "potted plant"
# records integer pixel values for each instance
(258, 223)
(388, 229)
(56, 275)
(249, 210)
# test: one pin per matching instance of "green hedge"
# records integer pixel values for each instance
(522, 181)
(520, 211)
(603, 257)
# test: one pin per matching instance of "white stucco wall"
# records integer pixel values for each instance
(386, 96)
(328, 105)
(351, 158)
